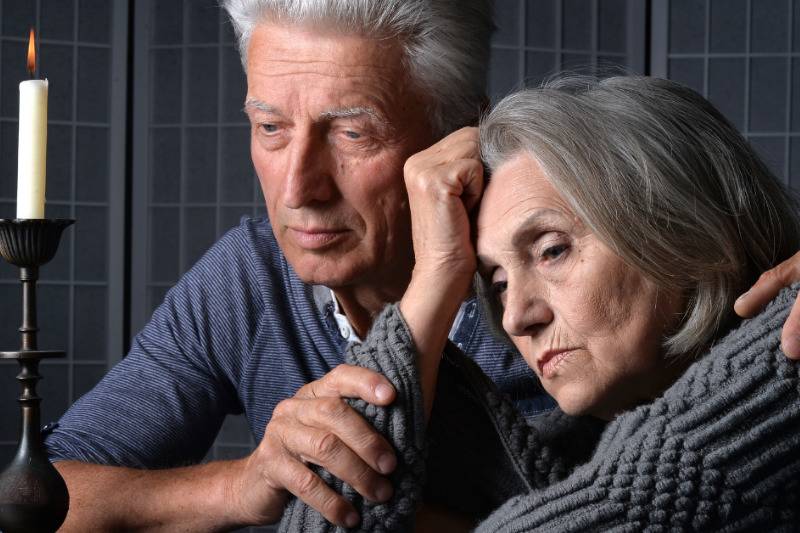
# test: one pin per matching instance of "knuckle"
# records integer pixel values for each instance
(326, 447)
(280, 411)
(364, 480)
(332, 408)
(333, 508)
(304, 483)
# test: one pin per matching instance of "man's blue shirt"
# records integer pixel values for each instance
(239, 333)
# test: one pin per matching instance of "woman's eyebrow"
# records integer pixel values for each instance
(535, 220)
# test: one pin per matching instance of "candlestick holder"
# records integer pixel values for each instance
(33, 496)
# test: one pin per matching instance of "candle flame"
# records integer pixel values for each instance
(31, 54)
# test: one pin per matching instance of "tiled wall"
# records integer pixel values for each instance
(743, 55)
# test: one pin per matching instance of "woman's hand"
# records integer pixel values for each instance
(444, 182)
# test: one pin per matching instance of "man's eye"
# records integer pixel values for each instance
(553, 252)
(350, 134)
(269, 128)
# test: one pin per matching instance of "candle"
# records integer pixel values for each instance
(32, 155)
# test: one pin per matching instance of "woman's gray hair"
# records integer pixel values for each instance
(663, 179)
(445, 42)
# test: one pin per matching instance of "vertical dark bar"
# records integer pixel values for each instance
(70, 360)
(220, 92)
(559, 34)
(522, 42)
(706, 47)
(659, 38)
(636, 36)
(115, 341)
(594, 38)
(182, 266)
(1, 48)
(140, 119)
(787, 146)
(747, 44)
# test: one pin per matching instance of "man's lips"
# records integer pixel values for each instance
(313, 238)
(550, 360)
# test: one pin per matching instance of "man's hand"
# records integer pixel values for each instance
(317, 426)
(767, 288)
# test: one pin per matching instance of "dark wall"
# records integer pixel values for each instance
(148, 147)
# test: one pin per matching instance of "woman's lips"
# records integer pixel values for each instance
(550, 360)
(314, 238)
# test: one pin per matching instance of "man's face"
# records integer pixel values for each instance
(333, 120)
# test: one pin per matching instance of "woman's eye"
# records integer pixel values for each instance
(553, 252)
(499, 287)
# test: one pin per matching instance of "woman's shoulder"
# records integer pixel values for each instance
(745, 359)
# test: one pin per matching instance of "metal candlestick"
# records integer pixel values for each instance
(33, 496)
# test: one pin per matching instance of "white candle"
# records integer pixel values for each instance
(32, 155)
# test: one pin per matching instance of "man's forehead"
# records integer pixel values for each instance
(333, 112)
(288, 45)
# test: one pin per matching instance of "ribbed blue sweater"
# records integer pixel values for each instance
(238, 333)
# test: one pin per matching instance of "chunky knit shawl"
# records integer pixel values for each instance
(719, 450)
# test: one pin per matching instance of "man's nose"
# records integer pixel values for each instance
(526, 313)
(308, 178)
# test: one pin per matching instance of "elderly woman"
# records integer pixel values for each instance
(621, 218)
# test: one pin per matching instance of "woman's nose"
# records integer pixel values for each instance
(525, 314)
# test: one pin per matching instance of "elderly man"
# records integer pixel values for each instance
(340, 94)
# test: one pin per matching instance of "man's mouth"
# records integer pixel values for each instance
(314, 238)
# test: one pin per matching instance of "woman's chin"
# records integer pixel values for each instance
(576, 402)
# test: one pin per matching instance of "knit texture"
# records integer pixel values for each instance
(385, 350)
(718, 451)
(472, 424)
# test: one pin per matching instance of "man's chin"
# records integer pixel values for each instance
(331, 272)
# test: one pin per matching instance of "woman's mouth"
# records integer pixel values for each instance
(549, 362)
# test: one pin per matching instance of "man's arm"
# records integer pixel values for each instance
(316, 426)
(162, 405)
(110, 498)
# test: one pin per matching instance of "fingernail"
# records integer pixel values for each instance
(351, 520)
(386, 463)
(383, 392)
(384, 492)
(742, 296)
(791, 346)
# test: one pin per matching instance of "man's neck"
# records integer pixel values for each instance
(362, 304)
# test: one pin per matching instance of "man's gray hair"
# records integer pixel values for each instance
(445, 42)
(663, 179)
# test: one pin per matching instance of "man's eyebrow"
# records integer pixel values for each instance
(349, 112)
(259, 105)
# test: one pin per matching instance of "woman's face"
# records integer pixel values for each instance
(589, 325)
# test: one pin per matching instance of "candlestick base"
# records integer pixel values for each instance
(33, 495)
